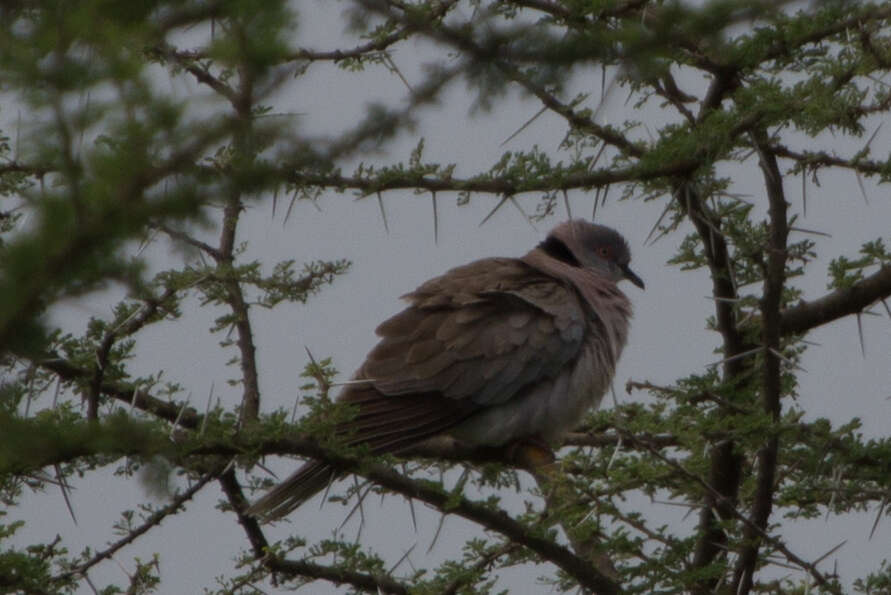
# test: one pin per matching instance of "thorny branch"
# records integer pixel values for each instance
(147, 311)
(483, 515)
(152, 521)
(725, 465)
(771, 374)
(88, 238)
(730, 507)
(838, 304)
(724, 474)
(125, 392)
(440, 9)
(297, 568)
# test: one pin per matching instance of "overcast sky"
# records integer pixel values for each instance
(668, 338)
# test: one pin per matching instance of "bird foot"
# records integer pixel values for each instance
(530, 453)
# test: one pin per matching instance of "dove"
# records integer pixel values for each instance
(498, 352)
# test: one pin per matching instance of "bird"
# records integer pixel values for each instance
(492, 353)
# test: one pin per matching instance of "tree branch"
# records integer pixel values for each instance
(371, 583)
(232, 208)
(838, 304)
(771, 374)
(187, 239)
(36, 171)
(26, 290)
(438, 10)
(298, 568)
(730, 507)
(726, 464)
(485, 516)
(188, 61)
(152, 521)
(482, 514)
(128, 327)
(561, 180)
(465, 43)
(125, 392)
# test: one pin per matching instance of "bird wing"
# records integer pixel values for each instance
(474, 337)
(479, 334)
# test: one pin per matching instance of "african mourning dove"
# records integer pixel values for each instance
(495, 352)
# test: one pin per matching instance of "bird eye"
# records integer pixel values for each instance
(604, 251)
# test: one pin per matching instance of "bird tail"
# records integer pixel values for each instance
(384, 424)
(306, 482)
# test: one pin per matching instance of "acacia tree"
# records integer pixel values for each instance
(104, 160)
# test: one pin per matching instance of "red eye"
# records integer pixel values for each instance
(604, 252)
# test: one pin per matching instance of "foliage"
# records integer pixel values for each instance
(109, 162)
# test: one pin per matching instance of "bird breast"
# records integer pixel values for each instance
(549, 408)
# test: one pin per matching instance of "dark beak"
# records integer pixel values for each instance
(631, 276)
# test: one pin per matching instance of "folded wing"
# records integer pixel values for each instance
(474, 337)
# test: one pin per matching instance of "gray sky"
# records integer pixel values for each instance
(668, 339)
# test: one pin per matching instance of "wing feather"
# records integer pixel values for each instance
(478, 333)
(383, 421)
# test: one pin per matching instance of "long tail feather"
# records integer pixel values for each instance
(306, 482)
(385, 424)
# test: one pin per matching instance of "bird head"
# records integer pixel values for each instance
(595, 247)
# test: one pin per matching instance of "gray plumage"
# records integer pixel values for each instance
(494, 352)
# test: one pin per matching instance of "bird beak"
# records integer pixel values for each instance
(631, 276)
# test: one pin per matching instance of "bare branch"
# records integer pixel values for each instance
(838, 304)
